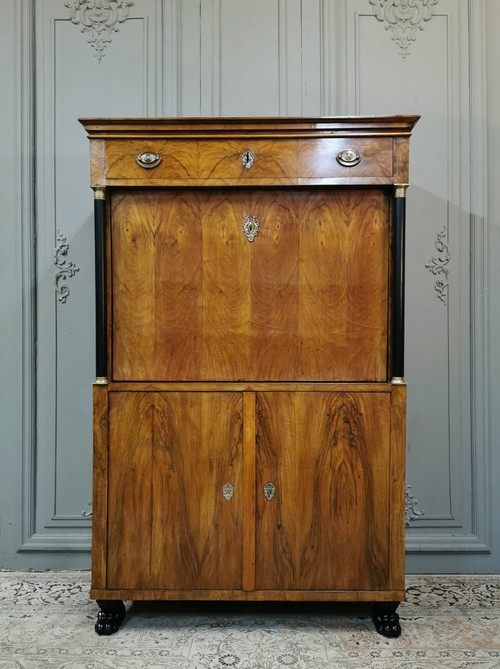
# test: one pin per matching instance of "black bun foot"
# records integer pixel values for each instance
(386, 619)
(110, 617)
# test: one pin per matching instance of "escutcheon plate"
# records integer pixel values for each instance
(227, 491)
(269, 490)
(250, 227)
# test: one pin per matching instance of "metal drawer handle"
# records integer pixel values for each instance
(148, 160)
(227, 491)
(269, 490)
(349, 157)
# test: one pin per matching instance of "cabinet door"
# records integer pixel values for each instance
(169, 524)
(193, 299)
(327, 456)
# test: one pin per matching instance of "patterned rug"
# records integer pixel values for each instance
(47, 620)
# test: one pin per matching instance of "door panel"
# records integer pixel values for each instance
(169, 526)
(196, 300)
(327, 526)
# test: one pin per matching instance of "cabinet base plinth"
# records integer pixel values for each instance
(379, 596)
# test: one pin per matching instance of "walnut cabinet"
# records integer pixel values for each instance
(249, 402)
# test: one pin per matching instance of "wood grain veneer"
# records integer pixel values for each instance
(99, 485)
(194, 300)
(170, 455)
(397, 486)
(328, 456)
(318, 158)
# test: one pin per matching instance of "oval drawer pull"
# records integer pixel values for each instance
(349, 157)
(148, 159)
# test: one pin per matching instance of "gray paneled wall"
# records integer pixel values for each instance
(240, 58)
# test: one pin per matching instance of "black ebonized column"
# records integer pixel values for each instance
(100, 283)
(398, 288)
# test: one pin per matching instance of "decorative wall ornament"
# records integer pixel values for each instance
(66, 269)
(439, 266)
(85, 513)
(412, 512)
(99, 19)
(403, 18)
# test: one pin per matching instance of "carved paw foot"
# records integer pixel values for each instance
(110, 617)
(386, 619)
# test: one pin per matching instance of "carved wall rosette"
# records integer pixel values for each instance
(438, 266)
(403, 18)
(99, 20)
(412, 512)
(66, 269)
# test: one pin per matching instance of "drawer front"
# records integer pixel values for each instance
(248, 159)
(178, 160)
(324, 158)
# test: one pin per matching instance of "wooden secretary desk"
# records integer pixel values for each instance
(249, 405)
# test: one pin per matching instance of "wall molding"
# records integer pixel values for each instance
(210, 54)
(55, 543)
(172, 58)
(480, 316)
(479, 452)
(467, 527)
(445, 542)
(26, 169)
(50, 523)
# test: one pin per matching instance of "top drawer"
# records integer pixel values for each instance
(249, 162)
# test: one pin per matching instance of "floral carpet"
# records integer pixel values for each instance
(47, 621)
